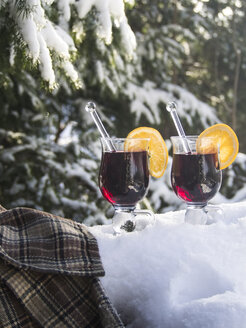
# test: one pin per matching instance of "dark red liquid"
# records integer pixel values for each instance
(195, 177)
(124, 177)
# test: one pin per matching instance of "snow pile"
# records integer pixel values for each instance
(178, 275)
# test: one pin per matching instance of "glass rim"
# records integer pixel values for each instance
(192, 137)
(123, 139)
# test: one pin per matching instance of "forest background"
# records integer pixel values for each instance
(130, 58)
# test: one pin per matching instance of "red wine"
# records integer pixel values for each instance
(195, 177)
(124, 177)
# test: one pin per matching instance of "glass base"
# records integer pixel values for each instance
(215, 214)
(130, 219)
(203, 214)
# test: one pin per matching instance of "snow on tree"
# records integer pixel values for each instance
(49, 43)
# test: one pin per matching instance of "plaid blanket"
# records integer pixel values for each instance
(49, 270)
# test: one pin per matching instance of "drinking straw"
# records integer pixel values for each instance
(172, 108)
(91, 108)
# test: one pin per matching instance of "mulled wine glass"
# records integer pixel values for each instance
(196, 176)
(124, 180)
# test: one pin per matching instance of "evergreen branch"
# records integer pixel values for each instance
(22, 8)
(237, 73)
(217, 83)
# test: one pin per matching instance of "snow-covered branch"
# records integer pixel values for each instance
(145, 101)
(50, 45)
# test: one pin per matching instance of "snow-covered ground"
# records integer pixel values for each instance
(176, 275)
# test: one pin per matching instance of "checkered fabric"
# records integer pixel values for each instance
(49, 273)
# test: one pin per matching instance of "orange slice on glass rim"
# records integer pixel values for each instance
(158, 153)
(227, 140)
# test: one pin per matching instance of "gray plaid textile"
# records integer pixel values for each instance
(49, 270)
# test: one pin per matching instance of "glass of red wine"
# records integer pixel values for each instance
(196, 176)
(124, 180)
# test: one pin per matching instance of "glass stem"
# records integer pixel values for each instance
(129, 219)
(196, 213)
(123, 219)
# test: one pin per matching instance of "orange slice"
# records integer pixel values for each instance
(158, 153)
(228, 142)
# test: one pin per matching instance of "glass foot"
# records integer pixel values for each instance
(195, 215)
(214, 214)
(206, 214)
(136, 220)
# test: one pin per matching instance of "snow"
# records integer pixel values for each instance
(43, 37)
(189, 105)
(73, 170)
(145, 101)
(177, 275)
(128, 38)
(47, 72)
(108, 10)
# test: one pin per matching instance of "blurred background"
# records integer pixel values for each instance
(130, 58)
